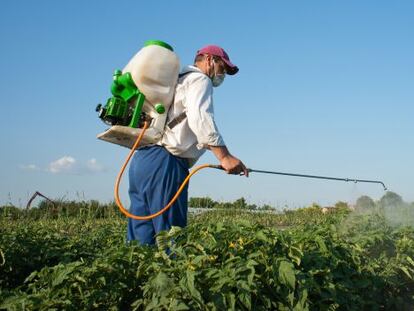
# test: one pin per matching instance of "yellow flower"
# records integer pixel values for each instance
(212, 257)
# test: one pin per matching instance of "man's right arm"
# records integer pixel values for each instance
(201, 122)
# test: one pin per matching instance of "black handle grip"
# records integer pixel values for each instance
(219, 167)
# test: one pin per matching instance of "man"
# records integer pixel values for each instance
(156, 172)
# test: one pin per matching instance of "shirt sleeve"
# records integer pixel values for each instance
(200, 112)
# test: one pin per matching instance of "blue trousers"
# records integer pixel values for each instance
(154, 177)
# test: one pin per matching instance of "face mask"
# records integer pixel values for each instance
(217, 79)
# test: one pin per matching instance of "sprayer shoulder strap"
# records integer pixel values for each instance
(177, 120)
(181, 117)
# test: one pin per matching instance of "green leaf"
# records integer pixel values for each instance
(295, 254)
(162, 284)
(245, 298)
(62, 272)
(231, 301)
(302, 303)
(261, 236)
(195, 294)
(287, 274)
(405, 270)
(321, 245)
(177, 305)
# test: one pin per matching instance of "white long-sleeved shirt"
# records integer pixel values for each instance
(190, 137)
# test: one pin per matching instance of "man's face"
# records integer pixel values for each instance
(214, 66)
(220, 68)
(218, 71)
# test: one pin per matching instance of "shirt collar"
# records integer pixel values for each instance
(191, 68)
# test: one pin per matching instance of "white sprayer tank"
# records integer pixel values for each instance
(155, 70)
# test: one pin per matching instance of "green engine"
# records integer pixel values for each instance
(125, 106)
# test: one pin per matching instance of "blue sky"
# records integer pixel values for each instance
(325, 87)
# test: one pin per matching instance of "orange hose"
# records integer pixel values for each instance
(175, 197)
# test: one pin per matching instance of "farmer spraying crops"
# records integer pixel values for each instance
(167, 117)
(156, 171)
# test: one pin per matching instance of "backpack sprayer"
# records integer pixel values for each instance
(142, 93)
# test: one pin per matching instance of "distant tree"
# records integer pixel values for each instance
(341, 204)
(390, 199)
(252, 206)
(314, 205)
(240, 203)
(202, 202)
(224, 205)
(365, 203)
(266, 207)
(10, 212)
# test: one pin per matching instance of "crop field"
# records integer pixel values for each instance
(75, 257)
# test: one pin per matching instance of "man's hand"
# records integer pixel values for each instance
(230, 164)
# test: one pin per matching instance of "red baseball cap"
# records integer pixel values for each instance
(218, 51)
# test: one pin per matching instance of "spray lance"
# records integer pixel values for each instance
(250, 170)
(200, 167)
